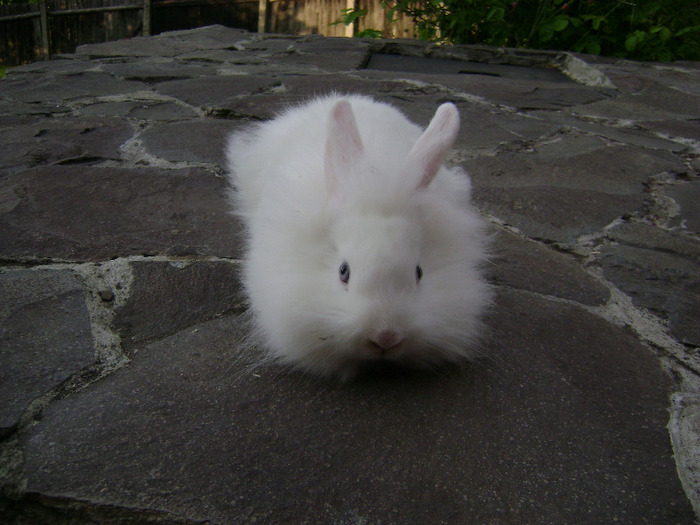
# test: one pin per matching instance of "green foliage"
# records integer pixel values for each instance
(369, 33)
(3, 71)
(656, 30)
(349, 17)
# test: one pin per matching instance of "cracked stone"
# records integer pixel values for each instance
(554, 214)
(45, 336)
(574, 161)
(665, 283)
(299, 88)
(687, 196)
(60, 89)
(214, 91)
(72, 140)
(522, 264)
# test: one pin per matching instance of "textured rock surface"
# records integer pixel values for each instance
(127, 394)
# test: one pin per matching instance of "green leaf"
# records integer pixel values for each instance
(349, 16)
(686, 30)
(369, 33)
(560, 24)
(593, 47)
(546, 32)
(497, 12)
(634, 40)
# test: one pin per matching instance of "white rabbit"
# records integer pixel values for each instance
(362, 245)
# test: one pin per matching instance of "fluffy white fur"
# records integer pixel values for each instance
(348, 179)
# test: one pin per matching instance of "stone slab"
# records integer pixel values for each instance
(59, 90)
(42, 141)
(157, 69)
(140, 110)
(576, 161)
(159, 289)
(525, 265)
(195, 141)
(490, 443)
(646, 90)
(521, 94)
(91, 213)
(686, 196)
(665, 283)
(555, 215)
(528, 184)
(625, 132)
(329, 54)
(45, 337)
(645, 235)
(167, 44)
(659, 270)
(445, 66)
(213, 92)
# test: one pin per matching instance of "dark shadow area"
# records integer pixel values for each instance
(443, 66)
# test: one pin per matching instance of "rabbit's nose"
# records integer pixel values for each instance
(386, 339)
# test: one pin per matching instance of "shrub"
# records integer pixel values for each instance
(657, 30)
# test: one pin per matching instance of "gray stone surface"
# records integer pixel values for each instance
(45, 337)
(686, 196)
(129, 392)
(158, 291)
(68, 141)
(276, 447)
(664, 283)
(525, 265)
(95, 213)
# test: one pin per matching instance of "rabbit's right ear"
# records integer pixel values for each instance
(343, 146)
(432, 146)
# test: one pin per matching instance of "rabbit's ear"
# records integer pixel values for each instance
(343, 145)
(430, 149)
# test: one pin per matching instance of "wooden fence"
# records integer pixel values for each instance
(318, 17)
(30, 32)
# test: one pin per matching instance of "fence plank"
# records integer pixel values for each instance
(262, 16)
(45, 41)
(146, 17)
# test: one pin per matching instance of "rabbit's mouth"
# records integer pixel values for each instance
(377, 350)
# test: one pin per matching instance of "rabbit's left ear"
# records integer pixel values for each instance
(343, 146)
(430, 149)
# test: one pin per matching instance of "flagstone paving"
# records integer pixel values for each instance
(127, 394)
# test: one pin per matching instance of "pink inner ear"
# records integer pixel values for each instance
(343, 145)
(430, 149)
(346, 127)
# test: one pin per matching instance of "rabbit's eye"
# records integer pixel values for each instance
(419, 273)
(344, 273)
